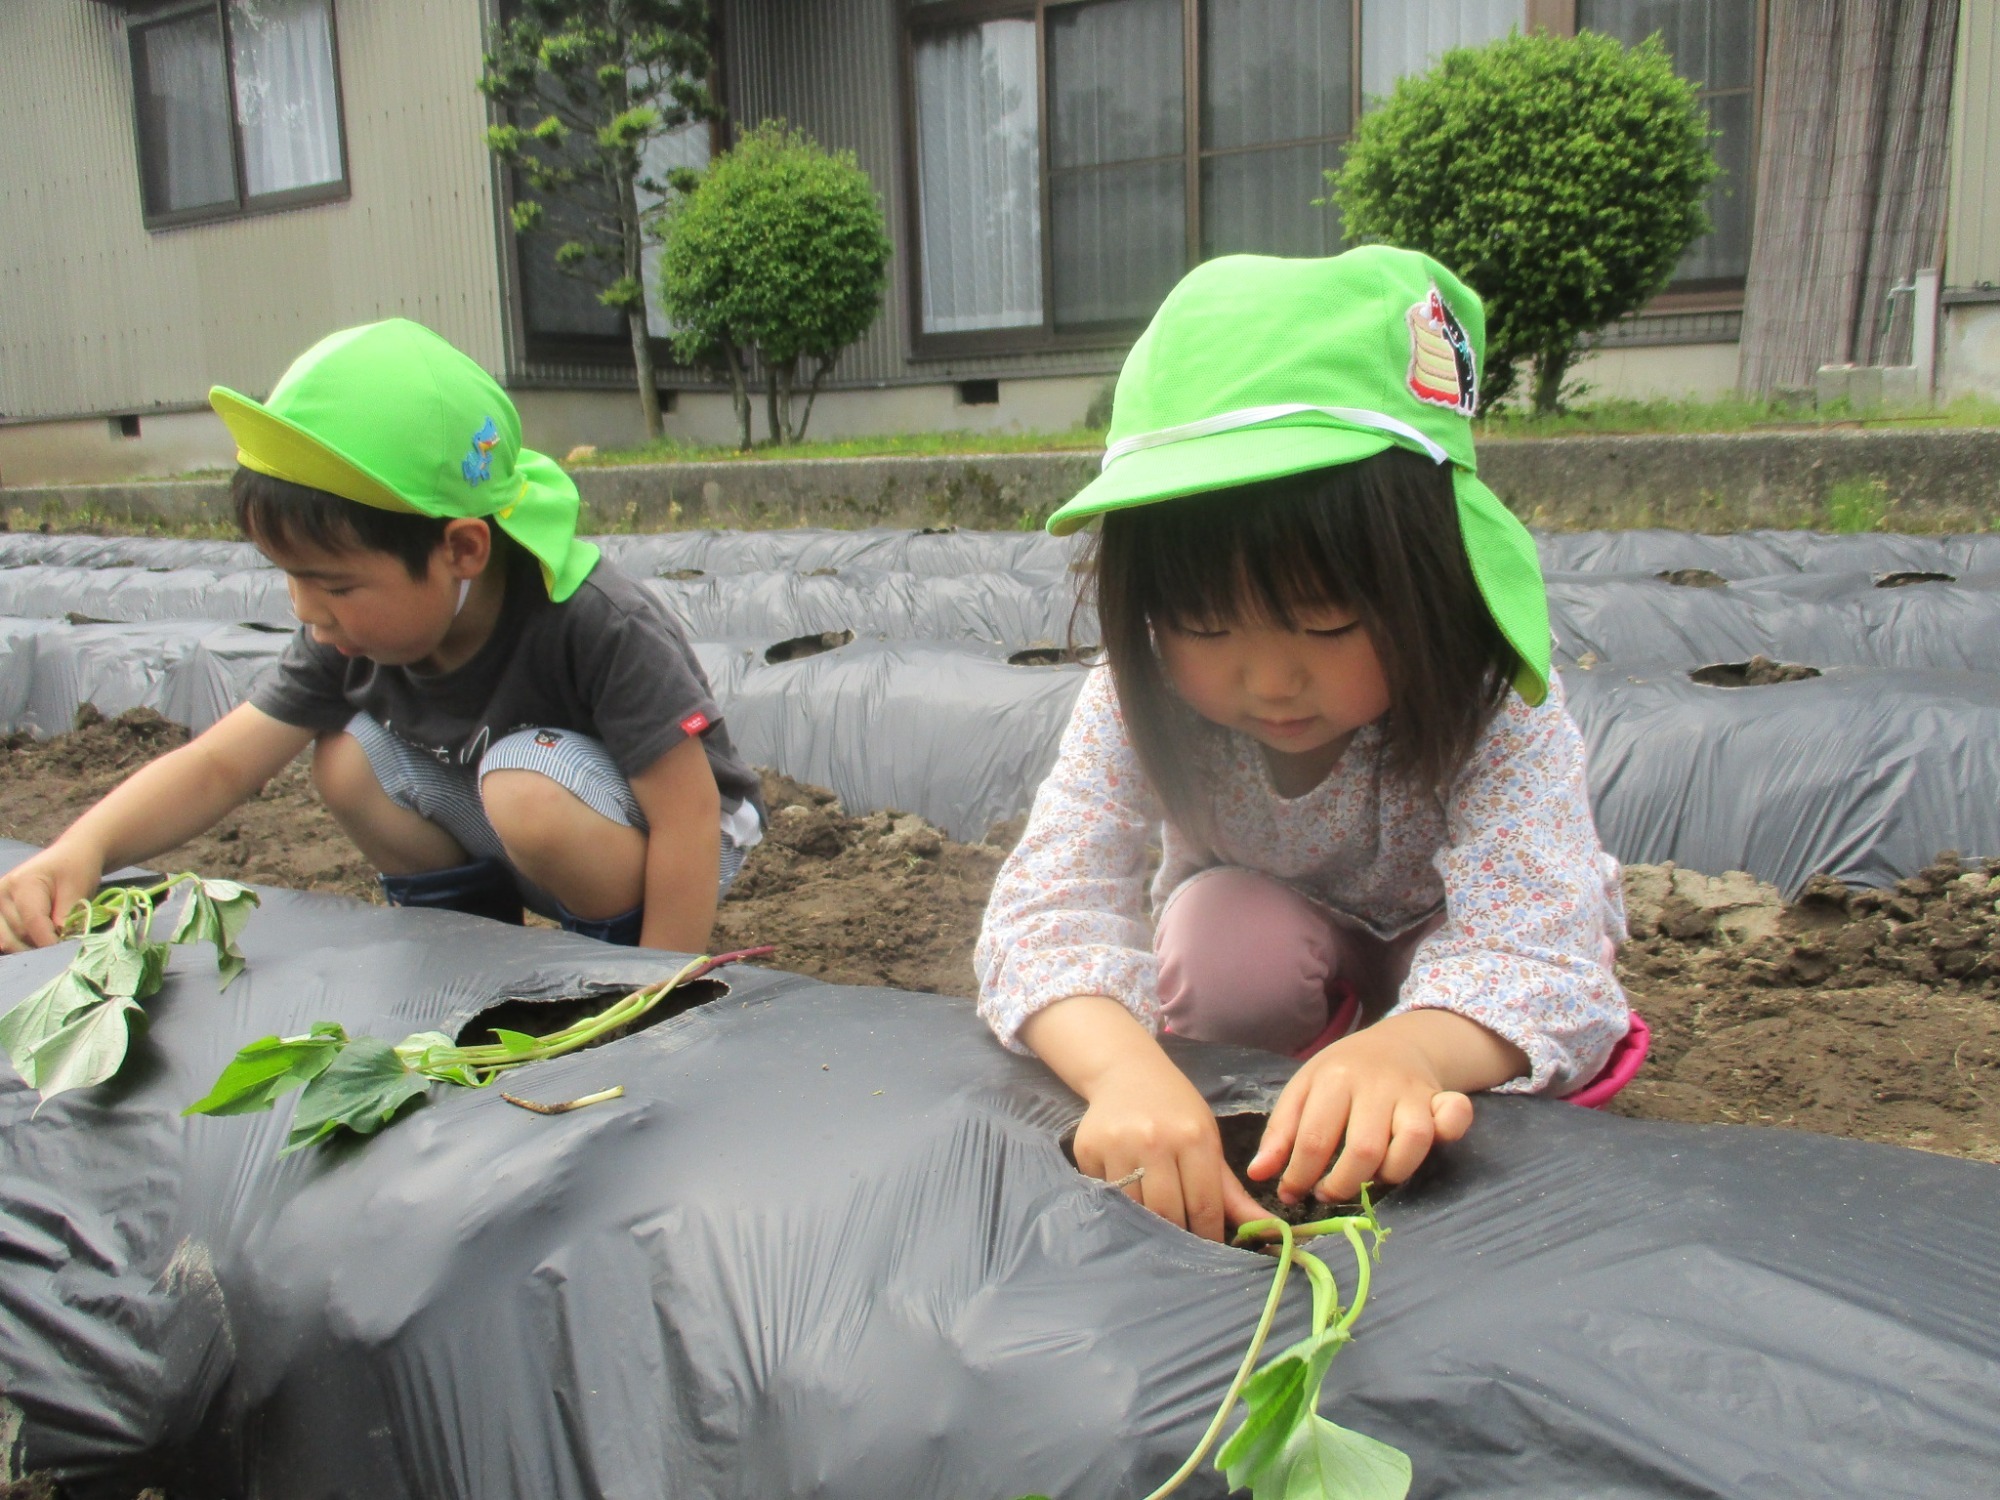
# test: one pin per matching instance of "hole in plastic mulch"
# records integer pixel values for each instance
(540, 1017)
(1910, 576)
(801, 646)
(1052, 656)
(1759, 671)
(1241, 1135)
(1693, 578)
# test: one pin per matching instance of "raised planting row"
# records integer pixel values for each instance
(1784, 703)
(812, 1239)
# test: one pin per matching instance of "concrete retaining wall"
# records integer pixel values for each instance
(1923, 480)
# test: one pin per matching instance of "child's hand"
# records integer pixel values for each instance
(1382, 1097)
(1147, 1115)
(37, 894)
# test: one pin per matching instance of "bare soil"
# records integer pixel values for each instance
(1871, 1014)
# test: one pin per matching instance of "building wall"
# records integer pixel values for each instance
(834, 68)
(1969, 339)
(1972, 227)
(100, 316)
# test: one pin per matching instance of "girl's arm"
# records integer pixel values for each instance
(1512, 991)
(163, 804)
(683, 809)
(1066, 968)
(1143, 1118)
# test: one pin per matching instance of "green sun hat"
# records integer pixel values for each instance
(1256, 368)
(390, 415)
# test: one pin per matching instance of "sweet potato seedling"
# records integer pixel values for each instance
(361, 1084)
(1284, 1449)
(73, 1032)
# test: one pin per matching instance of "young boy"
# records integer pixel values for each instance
(496, 715)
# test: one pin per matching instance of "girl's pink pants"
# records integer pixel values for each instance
(1245, 959)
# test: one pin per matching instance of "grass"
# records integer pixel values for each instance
(1724, 414)
(919, 444)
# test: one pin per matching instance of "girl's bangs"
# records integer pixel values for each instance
(1265, 553)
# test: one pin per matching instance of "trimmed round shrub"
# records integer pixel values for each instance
(774, 261)
(1561, 177)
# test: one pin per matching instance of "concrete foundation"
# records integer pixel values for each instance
(1969, 352)
(1663, 372)
(1928, 480)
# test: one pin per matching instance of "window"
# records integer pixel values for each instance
(1714, 45)
(560, 312)
(237, 109)
(1074, 157)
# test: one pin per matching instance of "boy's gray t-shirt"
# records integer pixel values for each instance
(610, 661)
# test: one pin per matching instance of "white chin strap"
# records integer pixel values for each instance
(464, 588)
(1256, 416)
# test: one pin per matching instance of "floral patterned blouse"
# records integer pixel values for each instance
(1512, 857)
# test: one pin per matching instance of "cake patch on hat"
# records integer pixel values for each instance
(1441, 365)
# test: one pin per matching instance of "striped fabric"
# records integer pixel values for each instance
(448, 795)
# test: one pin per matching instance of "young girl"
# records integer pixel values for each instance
(1328, 678)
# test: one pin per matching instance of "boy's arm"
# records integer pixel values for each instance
(683, 809)
(161, 805)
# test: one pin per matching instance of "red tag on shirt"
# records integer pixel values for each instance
(694, 724)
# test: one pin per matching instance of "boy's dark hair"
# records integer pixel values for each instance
(281, 514)
(1379, 537)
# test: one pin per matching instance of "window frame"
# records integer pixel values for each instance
(919, 18)
(244, 205)
(552, 358)
(1695, 294)
(947, 15)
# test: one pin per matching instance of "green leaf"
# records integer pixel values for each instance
(415, 1050)
(361, 1090)
(269, 1067)
(517, 1043)
(436, 1056)
(117, 963)
(215, 912)
(1322, 1461)
(1278, 1399)
(87, 1050)
(31, 1023)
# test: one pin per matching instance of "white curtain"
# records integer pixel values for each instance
(684, 146)
(1398, 37)
(285, 99)
(185, 116)
(979, 165)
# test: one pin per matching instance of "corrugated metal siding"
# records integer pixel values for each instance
(834, 68)
(1973, 227)
(97, 314)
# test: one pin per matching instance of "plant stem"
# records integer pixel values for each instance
(491, 1060)
(1180, 1476)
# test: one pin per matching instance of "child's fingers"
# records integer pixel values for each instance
(1162, 1192)
(1412, 1133)
(1322, 1124)
(1276, 1147)
(1363, 1146)
(1451, 1113)
(1202, 1193)
(1238, 1207)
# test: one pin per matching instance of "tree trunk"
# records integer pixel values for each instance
(642, 360)
(812, 394)
(739, 395)
(631, 232)
(1550, 367)
(771, 405)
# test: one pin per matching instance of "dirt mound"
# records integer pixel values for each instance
(1873, 1014)
(283, 836)
(880, 899)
